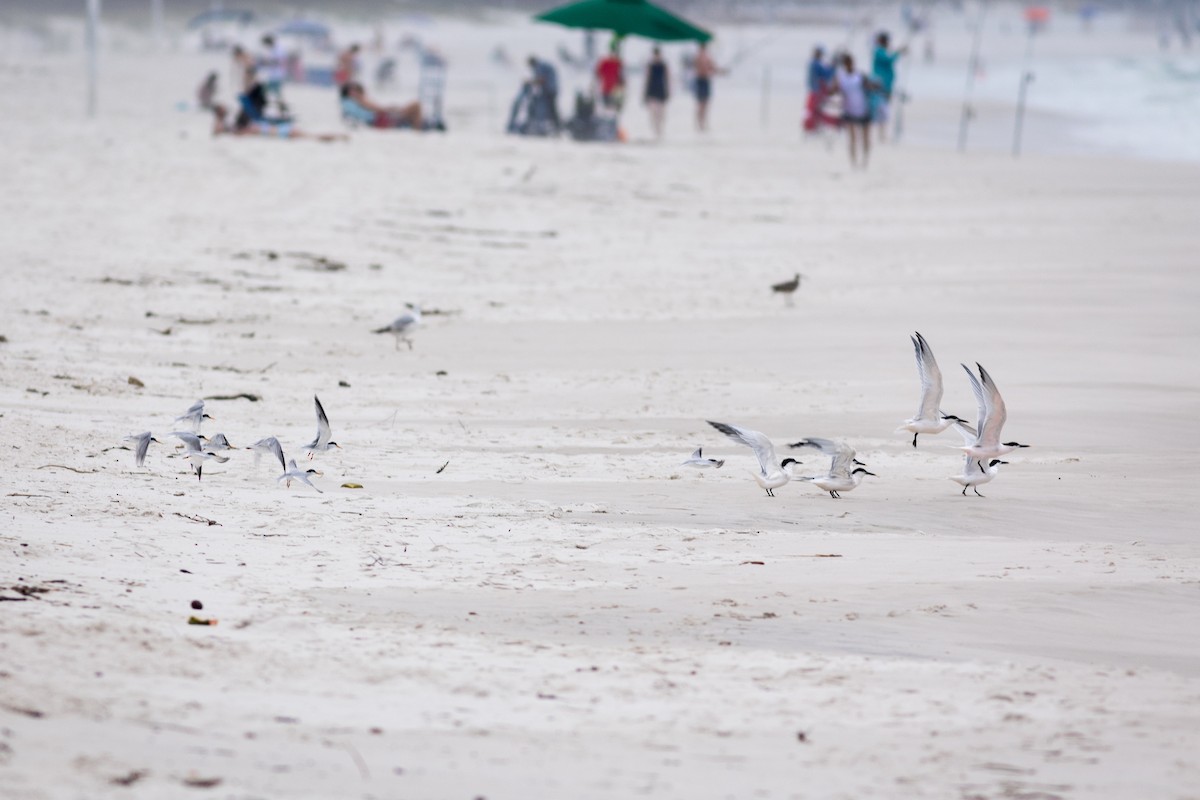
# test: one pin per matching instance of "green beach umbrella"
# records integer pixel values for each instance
(626, 18)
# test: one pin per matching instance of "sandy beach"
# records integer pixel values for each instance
(529, 597)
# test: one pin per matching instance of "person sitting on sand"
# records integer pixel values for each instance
(244, 126)
(347, 65)
(356, 106)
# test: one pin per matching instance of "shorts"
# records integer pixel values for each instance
(703, 89)
(852, 119)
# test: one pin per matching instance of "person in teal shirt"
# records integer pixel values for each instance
(883, 70)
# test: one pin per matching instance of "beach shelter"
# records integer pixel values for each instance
(626, 18)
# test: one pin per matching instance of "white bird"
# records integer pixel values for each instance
(195, 453)
(974, 475)
(142, 440)
(700, 462)
(769, 476)
(403, 325)
(271, 446)
(929, 418)
(322, 443)
(992, 416)
(194, 416)
(294, 473)
(219, 444)
(840, 478)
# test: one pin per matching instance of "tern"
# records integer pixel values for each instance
(195, 453)
(700, 462)
(840, 478)
(974, 474)
(194, 416)
(269, 445)
(769, 476)
(219, 444)
(403, 325)
(787, 288)
(143, 441)
(294, 473)
(992, 415)
(929, 418)
(322, 443)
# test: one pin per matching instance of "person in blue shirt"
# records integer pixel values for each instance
(883, 71)
(819, 73)
(545, 78)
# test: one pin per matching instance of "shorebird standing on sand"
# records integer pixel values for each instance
(787, 288)
(403, 325)
(769, 476)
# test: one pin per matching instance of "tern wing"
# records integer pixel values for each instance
(981, 402)
(143, 445)
(841, 453)
(989, 431)
(697, 456)
(190, 440)
(758, 442)
(324, 433)
(931, 380)
(968, 433)
(196, 408)
(276, 450)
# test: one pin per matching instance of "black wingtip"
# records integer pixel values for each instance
(801, 443)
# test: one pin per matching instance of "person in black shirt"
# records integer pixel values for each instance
(657, 91)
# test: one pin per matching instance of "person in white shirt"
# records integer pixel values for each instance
(856, 110)
(273, 68)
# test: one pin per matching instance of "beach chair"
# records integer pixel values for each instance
(431, 88)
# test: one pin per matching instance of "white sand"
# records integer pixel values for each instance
(563, 612)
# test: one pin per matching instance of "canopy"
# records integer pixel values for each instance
(626, 18)
(304, 27)
(219, 17)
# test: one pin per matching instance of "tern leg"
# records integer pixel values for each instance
(915, 435)
(199, 469)
(964, 491)
(409, 343)
(976, 488)
(981, 469)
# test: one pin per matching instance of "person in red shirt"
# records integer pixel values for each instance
(610, 74)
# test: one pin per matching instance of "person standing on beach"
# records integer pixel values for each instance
(274, 68)
(705, 69)
(657, 91)
(545, 78)
(610, 74)
(856, 113)
(883, 71)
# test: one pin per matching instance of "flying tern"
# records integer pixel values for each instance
(992, 415)
(271, 446)
(195, 453)
(845, 471)
(700, 462)
(322, 443)
(142, 442)
(929, 417)
(294, 473)
(194, 416)
(769, 476)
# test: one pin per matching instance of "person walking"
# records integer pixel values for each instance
(705, 70)
(883, 71)
(545, 80)
(856, 113)
(657, 91)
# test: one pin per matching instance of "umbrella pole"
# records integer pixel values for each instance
(1026, 79)
(90, 33)
(972, 68)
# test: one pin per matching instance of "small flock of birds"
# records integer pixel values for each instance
(981, 442)
(199, 449)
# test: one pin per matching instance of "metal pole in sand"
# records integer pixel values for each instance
(1026, 79)
(90, 33)
(972, 67)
